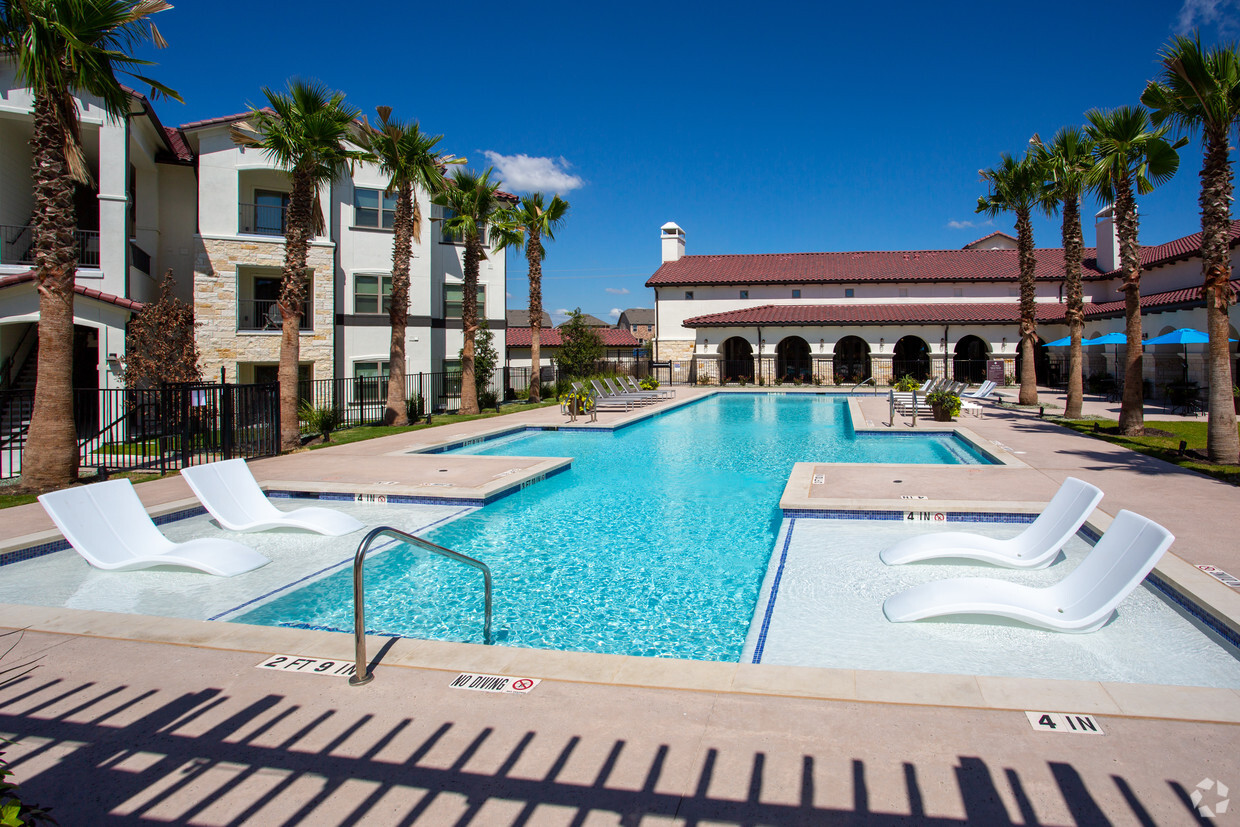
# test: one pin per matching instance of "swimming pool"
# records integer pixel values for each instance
(654, 543)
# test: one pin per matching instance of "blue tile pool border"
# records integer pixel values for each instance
(898, 516)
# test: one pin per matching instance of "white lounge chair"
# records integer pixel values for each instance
(983, 392)
(106, 524)
(1081, 602)
(229, 491)
(1034, 548)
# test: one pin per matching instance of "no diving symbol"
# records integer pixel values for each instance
(940, 517)
(523, 684)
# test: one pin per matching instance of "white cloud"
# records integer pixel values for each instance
(616, 291)
(1197, 13)
(969, 225)
(562, 312)
(526, 173)
(615, 311)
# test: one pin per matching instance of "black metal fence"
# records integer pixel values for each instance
(361, 400)
(159, 429)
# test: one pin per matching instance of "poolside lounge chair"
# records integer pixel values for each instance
(106, 524)
(1034, 548)
(229, 491)
(602, 403)
(1081, 602)
(619, 389)
(631, 383)
(983, 392)
(605, 395)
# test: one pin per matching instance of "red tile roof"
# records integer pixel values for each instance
(1180, 249)
(29, 275)
(240, 116)
(179, 146)
(794, 315)
(612, 337)
(851, 268)
(1186, 296)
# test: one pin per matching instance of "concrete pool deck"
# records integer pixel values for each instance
(168, 719)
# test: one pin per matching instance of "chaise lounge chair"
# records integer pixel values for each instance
(1081, 602)
(106, 524)
(630, 383)
(1034, 548)
(229, 491)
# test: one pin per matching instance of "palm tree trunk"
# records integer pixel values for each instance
(469, 321)
(1075, 310)
(1222, 442)
(533, 254)
(54, 461)
(1131, 411)
(397, 412)
(1028, 310)
(292, 298)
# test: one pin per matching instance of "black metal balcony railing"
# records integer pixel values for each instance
(262, 219)
(17, 245)
(264, 314)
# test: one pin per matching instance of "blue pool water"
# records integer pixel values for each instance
(654, 543)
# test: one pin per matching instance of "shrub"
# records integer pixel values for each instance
(546, 391)
(488, 399)
(906, 383)
(321, 420)
(414, 405)
(649, 383)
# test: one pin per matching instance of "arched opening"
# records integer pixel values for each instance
(852, 359)
(969, 360)
(911, 357)
(737, 358)
(792, 359)
(1041, 362)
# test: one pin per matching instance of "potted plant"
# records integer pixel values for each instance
(577, 403)
(906, 384)
(944, 404)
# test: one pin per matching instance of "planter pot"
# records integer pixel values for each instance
(940, 414)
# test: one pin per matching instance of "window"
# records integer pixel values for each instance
(688, 295)
(744, 294)
(373, 208)
(454, 238)
(452, 367)
(796, 294)
(270, 209)
(372, 293)
(370, 381)
(454, 299)
(903, 292)
(849, 292)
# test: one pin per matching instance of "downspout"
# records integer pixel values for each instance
(759, 355)
(946, 328)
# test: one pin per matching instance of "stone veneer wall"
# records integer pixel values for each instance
(220, 343)
(675, 351)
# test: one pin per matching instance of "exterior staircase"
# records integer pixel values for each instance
(17, 402)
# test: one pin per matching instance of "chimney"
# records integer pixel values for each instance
(1108, 241)
(673, 242)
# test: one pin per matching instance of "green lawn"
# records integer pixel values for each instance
(1163, 447)
(8, 500)
(363, 432)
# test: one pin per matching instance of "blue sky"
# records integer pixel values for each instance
(757, 128)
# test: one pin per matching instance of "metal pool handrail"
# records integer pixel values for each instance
(362, 674)
(869, 379)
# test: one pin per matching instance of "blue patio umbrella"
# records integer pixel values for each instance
(1105, 339)
(1184, 336)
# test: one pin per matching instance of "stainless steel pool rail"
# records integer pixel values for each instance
(866, 380)
(362, 674)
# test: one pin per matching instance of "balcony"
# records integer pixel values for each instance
(264, 314)
(17, 246)
(262, 219)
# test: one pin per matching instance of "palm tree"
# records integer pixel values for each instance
(474, 202)
(530, 222)
(1019, 186)
(1066, 161)
(1201, 90)
(63, 47)
(407, 157)
(304, 131)
(1131, 158)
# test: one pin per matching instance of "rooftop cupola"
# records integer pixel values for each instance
(673, 242)
(1108, 241)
